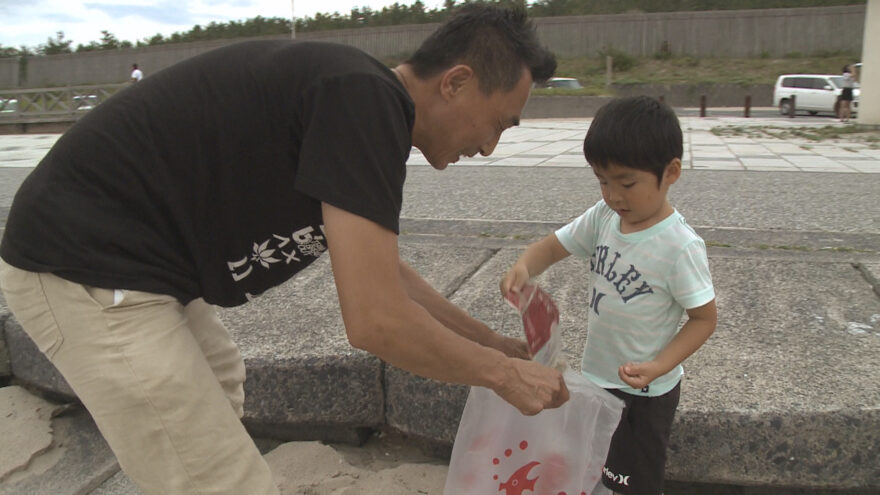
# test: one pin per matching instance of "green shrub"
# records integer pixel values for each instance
(620, 60)
(664, 53)
(691, 62)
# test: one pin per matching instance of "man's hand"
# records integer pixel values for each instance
(639, 375)
(531, 387)
(511, 347)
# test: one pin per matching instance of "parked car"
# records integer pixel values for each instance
(85, 102)
(8, 105)
(561, 83)
(813, 92)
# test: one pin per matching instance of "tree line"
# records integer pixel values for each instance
(397, 14)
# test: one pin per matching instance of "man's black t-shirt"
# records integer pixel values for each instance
(206, 179)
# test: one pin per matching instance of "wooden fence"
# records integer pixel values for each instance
(52, 105)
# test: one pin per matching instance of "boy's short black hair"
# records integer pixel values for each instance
(636, 132)
(495, 42)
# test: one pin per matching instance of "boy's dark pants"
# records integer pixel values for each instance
(637, 457)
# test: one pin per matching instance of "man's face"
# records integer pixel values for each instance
(472, 122)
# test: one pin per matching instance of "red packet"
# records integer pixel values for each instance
(540, 318)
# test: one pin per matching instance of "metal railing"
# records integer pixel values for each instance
(45, 105)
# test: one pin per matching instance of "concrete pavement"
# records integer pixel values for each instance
(557, 143)
(785, 395)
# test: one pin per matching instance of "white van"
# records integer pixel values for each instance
(813, 93)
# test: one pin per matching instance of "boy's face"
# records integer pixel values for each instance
(635, 195)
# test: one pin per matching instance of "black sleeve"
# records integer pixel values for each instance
(355, 145)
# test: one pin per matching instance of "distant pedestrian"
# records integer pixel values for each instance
(844, 112)
(136, 74)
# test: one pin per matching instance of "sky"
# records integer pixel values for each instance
(32, 22)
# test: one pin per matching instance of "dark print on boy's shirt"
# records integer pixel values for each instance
(625, 282)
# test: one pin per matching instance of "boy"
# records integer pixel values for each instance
(646, 266)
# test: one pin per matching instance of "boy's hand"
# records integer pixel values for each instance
(639, 375)
(514, 280)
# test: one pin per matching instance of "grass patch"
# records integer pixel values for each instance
(784, 248)
(841, 249)
(850, 133)
(668, 68)
(585, 91)
(845, 250)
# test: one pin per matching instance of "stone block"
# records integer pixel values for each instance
(301, 370)
(777, 396)
(303, 375)
(5, 365)
(831, 449)
(424, 408)
(118, 484)
(31, 367)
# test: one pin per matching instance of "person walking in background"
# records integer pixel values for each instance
(846, 96)
(263, 155)
(136, 74)
(647, 266)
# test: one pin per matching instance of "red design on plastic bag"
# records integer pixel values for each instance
(552, 470)
(519, 481)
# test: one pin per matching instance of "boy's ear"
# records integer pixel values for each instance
(673, 171)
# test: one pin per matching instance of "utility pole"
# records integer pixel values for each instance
(869, 76)
(292, 21)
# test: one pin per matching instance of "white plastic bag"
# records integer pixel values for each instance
(556, 452)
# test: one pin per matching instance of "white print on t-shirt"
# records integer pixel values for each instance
(264, 254)
(620, 479)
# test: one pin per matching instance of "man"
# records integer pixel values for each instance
(136, 74)
(261, 155)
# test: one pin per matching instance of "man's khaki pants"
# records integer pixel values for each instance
(163, 381)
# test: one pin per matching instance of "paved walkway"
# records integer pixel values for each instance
(771, 399)
(711, 143)
(736, 144)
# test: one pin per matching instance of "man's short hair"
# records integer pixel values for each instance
(495, 42)
(637, 132)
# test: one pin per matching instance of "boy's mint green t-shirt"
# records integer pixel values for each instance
(640, 285)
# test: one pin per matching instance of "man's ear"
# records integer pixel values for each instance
(673, 171)
(455, 79)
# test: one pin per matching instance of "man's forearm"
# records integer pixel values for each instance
(444, 311)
